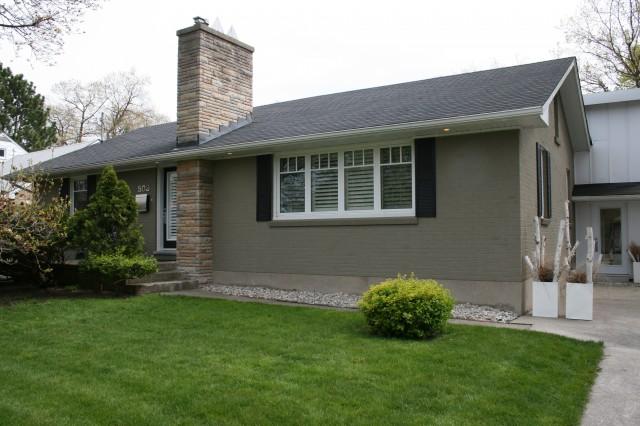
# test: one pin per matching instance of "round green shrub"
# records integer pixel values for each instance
(407, 307)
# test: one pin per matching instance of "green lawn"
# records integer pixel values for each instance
(170, 360)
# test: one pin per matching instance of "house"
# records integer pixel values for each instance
(440, 177)
(20, 159)
(8, 149)
(607, 190)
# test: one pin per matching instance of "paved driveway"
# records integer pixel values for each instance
(615, 398)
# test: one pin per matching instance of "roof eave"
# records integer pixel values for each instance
(524, 117)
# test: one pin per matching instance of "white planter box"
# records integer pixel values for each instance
(545, 299)
(636, 272)
(579, 301)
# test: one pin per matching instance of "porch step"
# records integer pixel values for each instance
(161, 286)
(164, 266)
(160, 276)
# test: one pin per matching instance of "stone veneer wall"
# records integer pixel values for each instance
(215, 73)
(194, 252)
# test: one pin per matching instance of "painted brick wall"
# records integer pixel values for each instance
(475, 235)
(562, 160)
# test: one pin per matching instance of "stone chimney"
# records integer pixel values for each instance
(215, 79)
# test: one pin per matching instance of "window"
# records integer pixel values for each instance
(292, 186)
(358, 177)
(1, 153)
(324, 182)
(396, 177)
(171, 205)
(543, 164)
(79, 193)
(351, 182)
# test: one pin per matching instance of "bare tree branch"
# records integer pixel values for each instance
(40, 25)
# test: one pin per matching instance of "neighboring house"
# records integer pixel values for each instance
(440, 177)
(23, 159)
(8, 149)
(607, 191)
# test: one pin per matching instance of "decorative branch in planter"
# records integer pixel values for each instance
(579, 300)
(545, 289)
(634, 254)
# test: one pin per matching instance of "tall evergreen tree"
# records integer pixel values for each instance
(23, 115)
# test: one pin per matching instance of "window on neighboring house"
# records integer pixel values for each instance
(1, 153)
(350, 182)
(79, 193)
(543, 163)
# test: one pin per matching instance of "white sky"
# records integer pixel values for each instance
(306, 48)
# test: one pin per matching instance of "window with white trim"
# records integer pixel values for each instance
(358, 181)
(79, 193)
(2, 152)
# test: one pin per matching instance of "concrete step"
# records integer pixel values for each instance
(171, 275)
(167, 266)
(161, 286)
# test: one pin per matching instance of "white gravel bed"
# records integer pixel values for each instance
(466, 311)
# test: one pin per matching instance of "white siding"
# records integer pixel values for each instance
(615, 155)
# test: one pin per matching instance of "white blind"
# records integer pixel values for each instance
(324, 182)
(358, 176)
(395, 172)
(172, 206)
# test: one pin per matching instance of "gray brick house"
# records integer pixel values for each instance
(440, 177)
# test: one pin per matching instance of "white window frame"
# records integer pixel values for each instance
(72, 193)
(2, 152)
(341, 213)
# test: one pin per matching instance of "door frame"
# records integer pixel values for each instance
(625, 267)
(162, 245)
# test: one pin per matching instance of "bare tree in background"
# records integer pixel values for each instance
(127, 104)
(110, 107)
(41, 25)
(607, 32)
(76, 117)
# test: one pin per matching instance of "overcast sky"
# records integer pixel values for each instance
(306, 48)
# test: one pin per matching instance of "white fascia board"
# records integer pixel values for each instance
(547, 104)
(531, 115)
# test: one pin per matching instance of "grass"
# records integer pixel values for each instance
(169, 360)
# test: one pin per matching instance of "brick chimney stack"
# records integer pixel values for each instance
(215, 79)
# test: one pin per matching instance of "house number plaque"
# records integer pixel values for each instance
(144, 188)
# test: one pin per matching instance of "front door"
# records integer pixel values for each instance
(611, 239)
(170, 228)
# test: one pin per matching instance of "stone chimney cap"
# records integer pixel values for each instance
(200, 20)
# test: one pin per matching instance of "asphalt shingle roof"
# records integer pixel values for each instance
(481, 92)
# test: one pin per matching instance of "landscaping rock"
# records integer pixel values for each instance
(465, 311)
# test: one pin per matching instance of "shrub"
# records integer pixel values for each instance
(407, 307)
(115, 268)
(109, 223)
(33, 228)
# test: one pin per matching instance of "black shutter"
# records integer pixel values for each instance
(539, 178)
(425, 163)
(547, 184)
(64, 188)
(264, 187)
(92, 183)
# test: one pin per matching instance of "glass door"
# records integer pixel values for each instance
(611, 239)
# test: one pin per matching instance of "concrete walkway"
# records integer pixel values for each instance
(615, 397)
